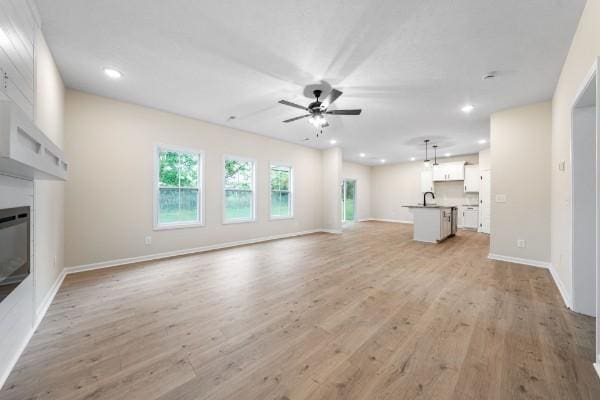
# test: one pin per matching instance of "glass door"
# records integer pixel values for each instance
(348, 200)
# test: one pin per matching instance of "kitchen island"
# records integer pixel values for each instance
(433, 223)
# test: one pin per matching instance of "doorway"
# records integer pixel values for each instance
(348, 200)
(584, 181)
(485, 199)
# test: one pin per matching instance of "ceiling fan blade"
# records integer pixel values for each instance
(295, 118)
(289, 103)
(325, 125)
(344, 112)
(331, 97)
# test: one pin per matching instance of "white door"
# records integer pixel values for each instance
(485, 199)
(426, 181)
(472, 178)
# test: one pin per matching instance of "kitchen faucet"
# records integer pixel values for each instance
(425, 198)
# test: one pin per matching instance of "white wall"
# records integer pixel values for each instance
(110, 146)
(520, 154)
(583, 53)
(362, 175)
(485, 160)
(331, 188)
(395, 185)
(48, 195)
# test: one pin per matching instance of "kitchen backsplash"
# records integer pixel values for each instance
(453, 194)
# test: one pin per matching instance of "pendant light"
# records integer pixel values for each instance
(435, 155)
(426, 161)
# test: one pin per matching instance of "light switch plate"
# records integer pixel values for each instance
(561, 166)
(500, 198)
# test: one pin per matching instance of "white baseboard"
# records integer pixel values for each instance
(540, 264)
(561, 288)
(41, 310)
(202, 249)
(517, 260)
(43, 307)
(396, 221)
(333, 231)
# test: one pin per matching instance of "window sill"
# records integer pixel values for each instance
(178, 226)
(238, 221)
(280, 218)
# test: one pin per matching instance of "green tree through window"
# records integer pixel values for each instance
(178, 187)
(239, 190)
(281, 196)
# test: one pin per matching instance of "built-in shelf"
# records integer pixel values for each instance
(25, 151)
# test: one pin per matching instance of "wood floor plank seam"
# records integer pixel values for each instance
(368, 314)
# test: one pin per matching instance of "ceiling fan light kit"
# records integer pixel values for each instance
(317, 109)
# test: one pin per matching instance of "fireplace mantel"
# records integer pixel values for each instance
(25, 151)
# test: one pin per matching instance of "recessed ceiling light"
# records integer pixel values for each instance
(112, 73)
(468, 108)
(362, 155)
(382, 160)
(332, 141)
(447, 154)
(412, 159)
(482, 141)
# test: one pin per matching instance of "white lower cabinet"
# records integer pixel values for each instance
(470, 217)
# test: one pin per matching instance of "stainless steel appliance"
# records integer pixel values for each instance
(454, 222)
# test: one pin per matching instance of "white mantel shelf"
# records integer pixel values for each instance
(25, 151)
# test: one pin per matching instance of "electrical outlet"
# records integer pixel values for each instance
(148, 240)
(521, 243)
(500, 198)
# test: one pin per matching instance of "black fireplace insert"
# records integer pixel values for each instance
(15, 265)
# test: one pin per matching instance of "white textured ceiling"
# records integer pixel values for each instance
(409, 64)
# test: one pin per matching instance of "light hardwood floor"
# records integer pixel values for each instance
(368, 314)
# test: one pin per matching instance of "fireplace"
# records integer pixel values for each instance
(15, 264)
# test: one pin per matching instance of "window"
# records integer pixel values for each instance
(281, 191)
(178, 187)
(239, 190)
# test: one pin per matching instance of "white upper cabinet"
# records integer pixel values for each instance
(439, 173)
(472, 178)
(451, 171)
(18, 24)
(426, 181)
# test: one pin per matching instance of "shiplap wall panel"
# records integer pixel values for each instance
(18, 25)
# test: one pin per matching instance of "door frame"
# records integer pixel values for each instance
(584, 87)
(593, 73)
(481, 229)
(344, 180)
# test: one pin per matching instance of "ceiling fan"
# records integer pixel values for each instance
(317, 109)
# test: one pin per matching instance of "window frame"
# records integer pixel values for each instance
(226, 221)
(290, 191)
(157, 226)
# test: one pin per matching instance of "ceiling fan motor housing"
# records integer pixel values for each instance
(315, 106)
